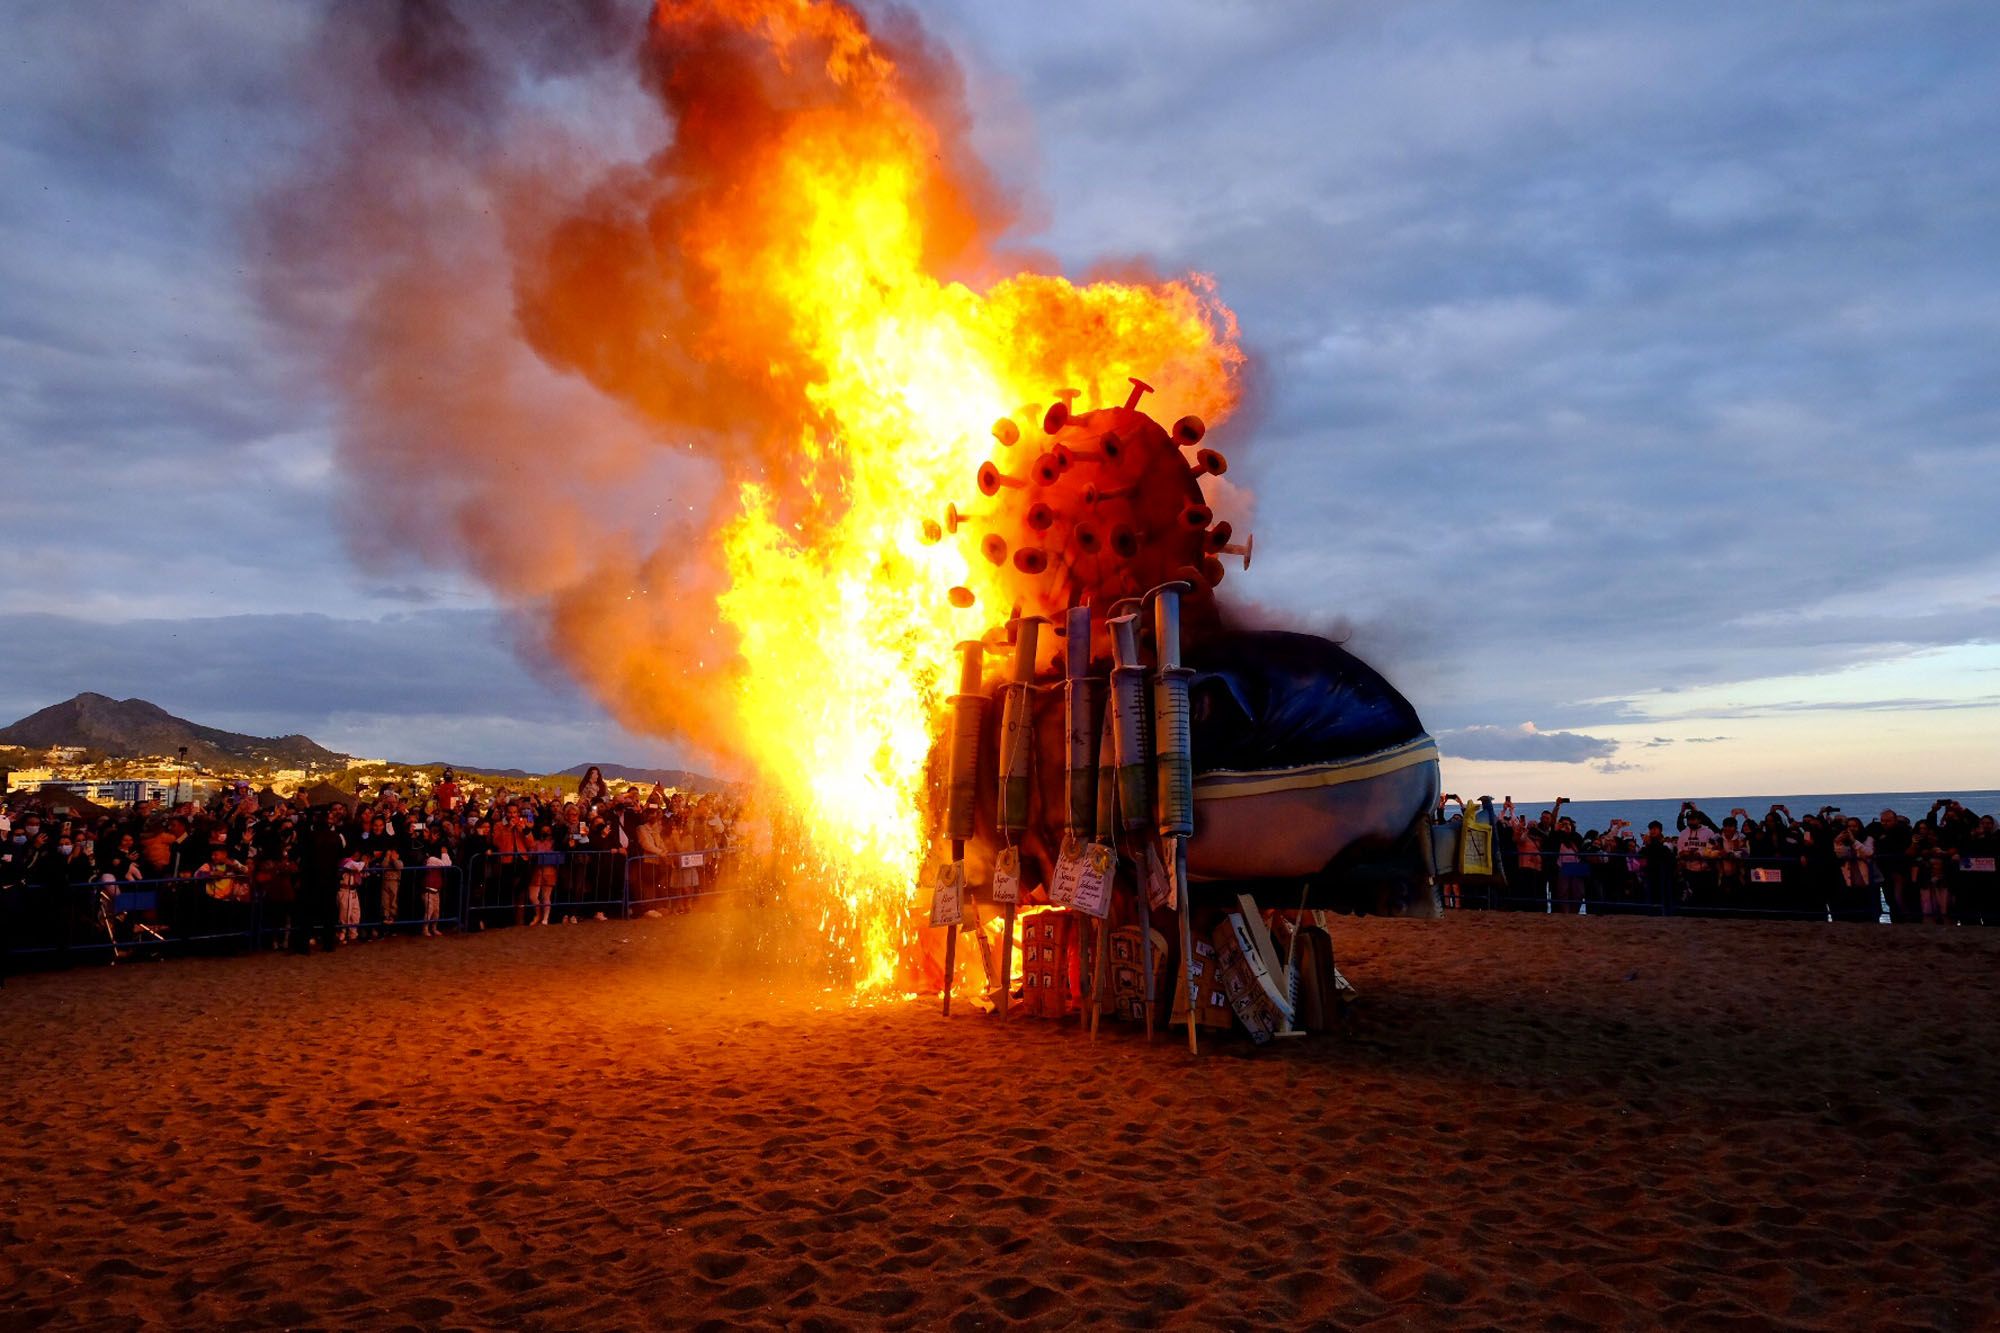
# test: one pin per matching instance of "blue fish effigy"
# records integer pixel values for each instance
(1313, 775)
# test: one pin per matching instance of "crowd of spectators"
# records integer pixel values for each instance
(1822, 864)
(406, 858)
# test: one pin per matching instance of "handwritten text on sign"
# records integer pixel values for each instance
(1007, 876)
(1069, 869)
(1093, 886)
(948, 900)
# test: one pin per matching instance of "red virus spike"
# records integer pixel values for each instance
(991, 479)
(1059, 411)
(955, 518)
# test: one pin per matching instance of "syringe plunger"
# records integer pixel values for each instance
(1173, 744)
(1016, 728)
(968, 712)
(1083, 708)
(1131, 726)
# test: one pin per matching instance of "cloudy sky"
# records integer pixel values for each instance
(1626, 374)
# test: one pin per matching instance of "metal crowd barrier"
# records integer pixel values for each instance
(179, 915)
(380, 914)
(584, 883)
(580, 883)
(652, 879)
(95, 918)
(1784, 888)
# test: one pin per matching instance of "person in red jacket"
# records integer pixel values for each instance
(513, 842)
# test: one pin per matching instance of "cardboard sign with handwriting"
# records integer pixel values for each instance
(1069, 869)
(1159, 889)
(1007, 876)
(1093, 885)
(948, 899)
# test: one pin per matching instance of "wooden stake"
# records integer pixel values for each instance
(1147, 963)
(1183, 900)
(1007, 962)
(951, 932)
(1097, 985)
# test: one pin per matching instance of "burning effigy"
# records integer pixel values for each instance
(696, 337)
(1143, 762)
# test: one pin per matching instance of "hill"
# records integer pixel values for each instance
(678, 778)
(134, 728)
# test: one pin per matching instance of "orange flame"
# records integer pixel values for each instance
(843, 630)
(797, 279)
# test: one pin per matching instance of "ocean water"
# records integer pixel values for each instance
(1868, 805)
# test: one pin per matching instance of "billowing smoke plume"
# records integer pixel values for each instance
(565, 270)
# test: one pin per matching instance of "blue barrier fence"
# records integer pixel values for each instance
(510, 885)
(195, 913)
(262, 908)
(1795, 888)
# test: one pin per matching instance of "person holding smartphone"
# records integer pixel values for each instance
(1697, 849)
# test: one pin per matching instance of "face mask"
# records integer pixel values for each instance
(20, 837)
(64, 848)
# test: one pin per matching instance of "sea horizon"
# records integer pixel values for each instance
(1595, 814)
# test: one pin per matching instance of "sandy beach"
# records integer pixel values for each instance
(1530, 1122)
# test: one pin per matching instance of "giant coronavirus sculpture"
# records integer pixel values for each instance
(1148, 764)
(1092, 506)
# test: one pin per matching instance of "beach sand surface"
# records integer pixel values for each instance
(1529, 1122)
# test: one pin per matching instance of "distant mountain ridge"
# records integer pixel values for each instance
(134, 728)
(137, 729)
(679, 778)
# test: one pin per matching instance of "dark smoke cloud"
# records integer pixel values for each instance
(487, 256)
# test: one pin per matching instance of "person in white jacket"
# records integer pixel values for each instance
(1854, 853)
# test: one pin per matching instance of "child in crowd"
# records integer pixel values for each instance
(1930, 875)
(386, 863)
(542, 876)
(436, 861)
(348, 898)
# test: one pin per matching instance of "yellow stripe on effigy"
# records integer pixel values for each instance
(1223, 785)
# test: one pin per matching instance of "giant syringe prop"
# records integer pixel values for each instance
(1017, 751)
(968, 714)
(1083, 711)
(1132, 745)
(1173, 748)
(1107, 833)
